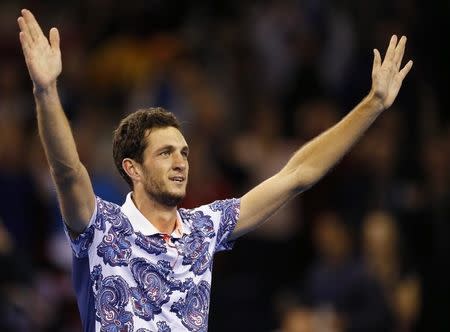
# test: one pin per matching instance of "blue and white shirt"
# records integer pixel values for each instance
(130, 277)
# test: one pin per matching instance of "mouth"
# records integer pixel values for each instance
(177, 179)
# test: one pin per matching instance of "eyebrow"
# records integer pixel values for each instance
(172, 148)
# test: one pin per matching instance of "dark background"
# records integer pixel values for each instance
(251, 81)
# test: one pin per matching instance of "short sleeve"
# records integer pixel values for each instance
(81, 244)
(229, 215)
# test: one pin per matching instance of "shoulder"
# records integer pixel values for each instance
(104, 206)
(216, 208)
(106, 212)
(211, 216)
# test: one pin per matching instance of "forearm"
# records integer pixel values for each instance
(55, 134)
(317, 157)
(73, 185)
(312, 161)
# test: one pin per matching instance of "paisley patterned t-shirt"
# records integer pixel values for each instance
(130, 277)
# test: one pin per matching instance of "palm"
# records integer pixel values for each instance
(44, 64)
(43, 59)
(387, 77)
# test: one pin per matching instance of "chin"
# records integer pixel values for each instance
(169, 200)
(181, 192)
(173, 198)
(179, 196)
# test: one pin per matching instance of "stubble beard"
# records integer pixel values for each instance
(166, 198)
(158, 193)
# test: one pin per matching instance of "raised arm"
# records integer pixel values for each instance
(312, 161)
(43, 59)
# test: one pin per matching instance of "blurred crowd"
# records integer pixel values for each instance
(251, 81)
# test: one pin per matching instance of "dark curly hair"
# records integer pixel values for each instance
(129, 137)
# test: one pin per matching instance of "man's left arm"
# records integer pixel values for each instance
(312, 161)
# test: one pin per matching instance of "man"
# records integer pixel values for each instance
(146, 266)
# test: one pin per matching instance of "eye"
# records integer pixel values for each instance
(165, 153)
(185, 153)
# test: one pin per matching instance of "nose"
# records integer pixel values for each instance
(179, 162)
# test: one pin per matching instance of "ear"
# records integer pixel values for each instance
(132, 168)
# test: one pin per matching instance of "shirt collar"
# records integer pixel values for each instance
(142, 224)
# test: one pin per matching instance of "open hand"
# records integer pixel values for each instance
(387, 77)
(43, 59)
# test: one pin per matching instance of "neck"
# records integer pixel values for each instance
(163, 217)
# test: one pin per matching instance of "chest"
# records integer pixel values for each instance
(188, 256)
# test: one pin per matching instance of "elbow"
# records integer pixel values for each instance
(64, 175)
(305, 178)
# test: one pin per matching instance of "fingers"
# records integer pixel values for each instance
(25, 38)
(391, 49)
(24, 41)
(24, 35)
(31, 35)
(394, 54)
(32, 25)
(24, 28)
(23, 25)
(54, 39)
(399, 51)
(405, 70)
(376, 61)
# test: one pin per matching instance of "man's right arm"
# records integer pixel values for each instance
(43, 58)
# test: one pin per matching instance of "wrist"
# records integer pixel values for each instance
(45, 91)
(374, 102)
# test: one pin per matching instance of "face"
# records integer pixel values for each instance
(379, 235)
(331, 237)
(165, 166)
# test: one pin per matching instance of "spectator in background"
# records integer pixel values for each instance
(15, 283)
(338, 291)
(158, 184)
(388, 264)
(432, 217)
(298, 318)
(217, 38)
